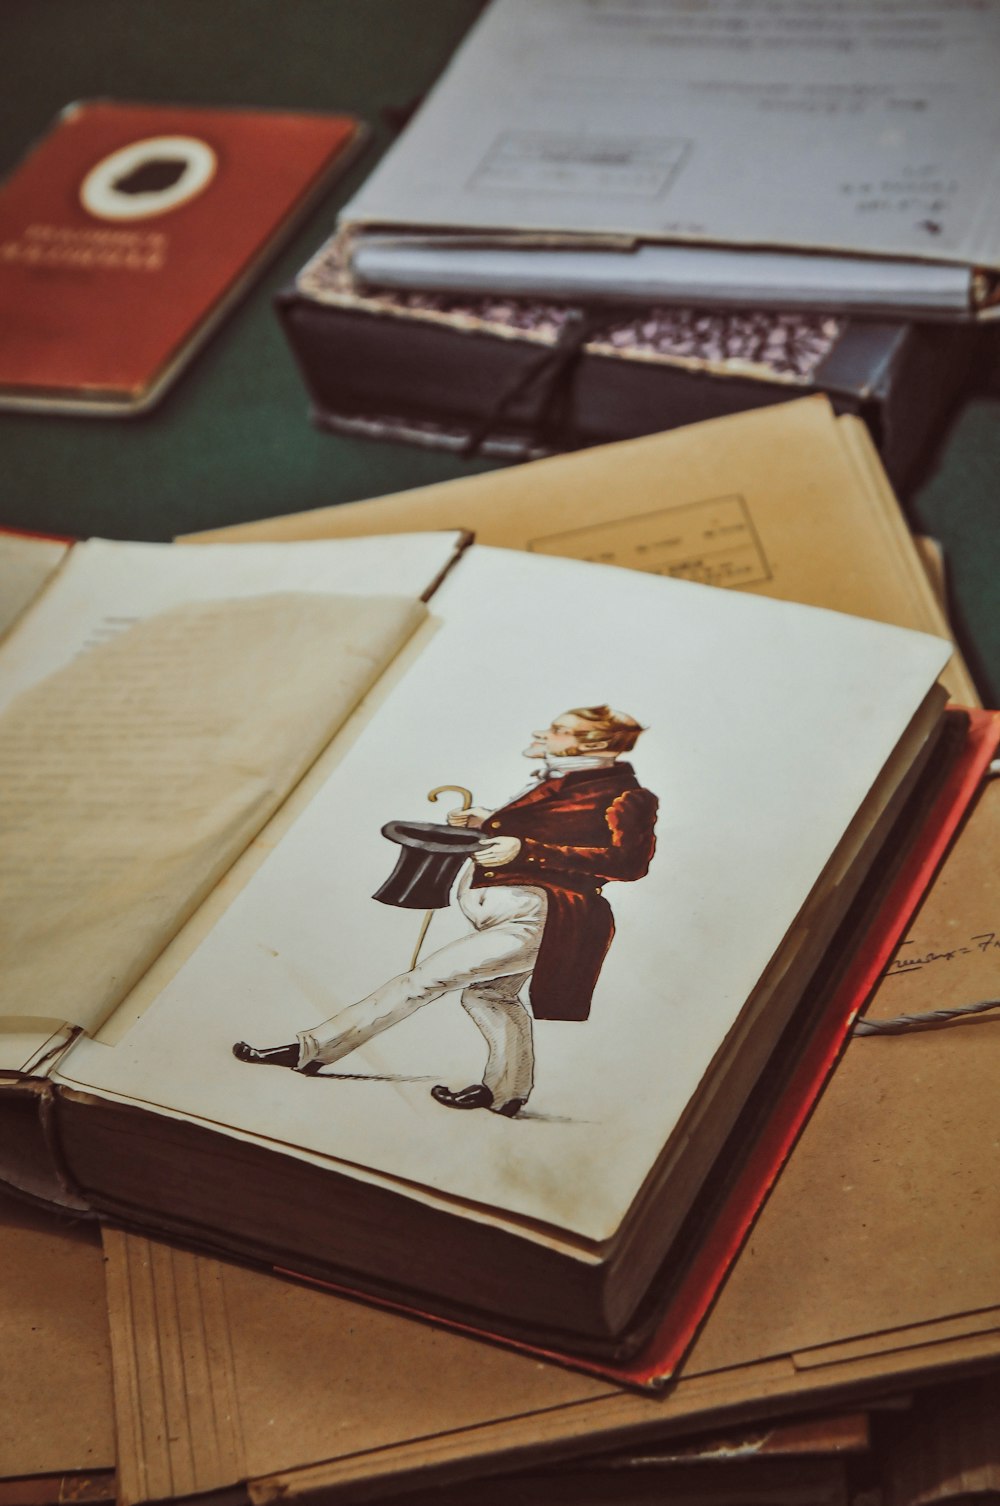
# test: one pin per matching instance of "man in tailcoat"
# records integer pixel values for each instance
(533, 896)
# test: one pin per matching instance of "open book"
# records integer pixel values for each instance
(259, 993)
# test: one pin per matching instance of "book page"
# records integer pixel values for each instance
(919, 561)
(748, 122)
(788, 502)
(137, 769)
(26, 564)
(106, 586)
(742, 702)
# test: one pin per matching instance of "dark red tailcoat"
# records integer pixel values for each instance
(577, 832)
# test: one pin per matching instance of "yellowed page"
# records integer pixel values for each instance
(215, 905)
(103, 592)
(26, 564)
(787, 502)
(106, 585)
(919, 570)
(134, 776)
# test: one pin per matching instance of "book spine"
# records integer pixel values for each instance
(447, 386)
(358, 364)
(31, 1161)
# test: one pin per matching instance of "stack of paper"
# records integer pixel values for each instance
(763, 156)
(608, 219)
(229, 1378)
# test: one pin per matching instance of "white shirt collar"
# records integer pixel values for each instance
(555, 768)
(558, 768)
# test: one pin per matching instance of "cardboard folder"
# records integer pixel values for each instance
(788, 502)
(56, 1415)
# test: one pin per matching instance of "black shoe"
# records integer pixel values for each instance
(478, 1096)
(275, 1056)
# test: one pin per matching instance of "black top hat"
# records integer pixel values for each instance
(429, 860)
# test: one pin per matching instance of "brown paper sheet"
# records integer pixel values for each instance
(788, 502)
(56, 1415)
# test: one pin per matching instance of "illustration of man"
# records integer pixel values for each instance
(533, 896)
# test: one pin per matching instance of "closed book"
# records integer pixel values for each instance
(522, 378)
(131, 229)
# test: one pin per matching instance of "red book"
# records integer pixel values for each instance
(130, 230)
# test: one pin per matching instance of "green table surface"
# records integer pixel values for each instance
(232, 441)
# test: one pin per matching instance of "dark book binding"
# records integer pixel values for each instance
(519, 379)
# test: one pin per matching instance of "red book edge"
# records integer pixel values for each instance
(31, 533)
(655, 1363)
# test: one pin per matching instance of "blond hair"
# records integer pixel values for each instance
(615, 731)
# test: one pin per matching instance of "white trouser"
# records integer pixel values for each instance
(490, 966)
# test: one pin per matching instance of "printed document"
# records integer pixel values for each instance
(857, 130)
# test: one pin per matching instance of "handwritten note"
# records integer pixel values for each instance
(950, 956)
(912, 957)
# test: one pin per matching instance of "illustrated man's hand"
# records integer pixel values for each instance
(475, 816)
(497, 851)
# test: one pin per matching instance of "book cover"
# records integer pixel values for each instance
(519, 378)
(130, 229)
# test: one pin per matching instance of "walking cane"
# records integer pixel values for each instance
(459, 789)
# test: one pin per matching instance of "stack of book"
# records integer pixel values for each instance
(498, 981)
(197, 804)
(607, 221)
(515, 378)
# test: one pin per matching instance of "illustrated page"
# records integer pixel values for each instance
(508, 993)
